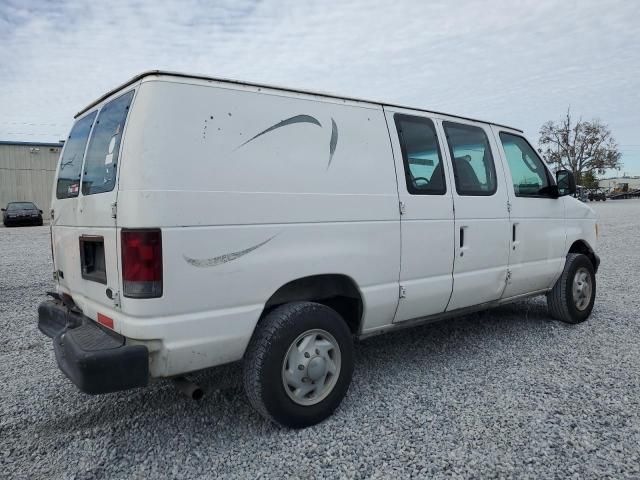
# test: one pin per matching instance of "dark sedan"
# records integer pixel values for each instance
(21, 213)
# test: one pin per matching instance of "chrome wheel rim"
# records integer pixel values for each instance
(311, 367)
(582, 288)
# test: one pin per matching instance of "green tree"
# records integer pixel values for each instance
(582, 147)
(589, 180)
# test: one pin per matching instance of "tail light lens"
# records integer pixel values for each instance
(142, 263)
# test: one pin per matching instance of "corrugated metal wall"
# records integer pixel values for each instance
(27, 173)
(634, 182)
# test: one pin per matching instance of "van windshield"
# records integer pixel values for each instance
(102, 155)
(71, 162)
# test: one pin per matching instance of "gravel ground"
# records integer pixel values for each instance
(508, 393)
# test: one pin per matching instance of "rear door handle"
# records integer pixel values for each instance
(514, 236)
(463, 246)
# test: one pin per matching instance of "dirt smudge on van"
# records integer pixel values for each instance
(289, 121)
(227, 257)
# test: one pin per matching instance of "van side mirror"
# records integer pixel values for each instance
(566, 182)
(40, 212)
(3, 209)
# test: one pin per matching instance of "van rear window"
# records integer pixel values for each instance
(21, 206)
(101, 162)
(71, 162)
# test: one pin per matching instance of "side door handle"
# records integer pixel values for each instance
(463, 245)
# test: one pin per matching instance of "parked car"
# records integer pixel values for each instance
(21, 213)
(597, 194)
(200, 221)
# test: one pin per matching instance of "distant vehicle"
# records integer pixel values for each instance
(581, 193)
(597, 194)
(200, 222)
(621, 188)
(21, 213)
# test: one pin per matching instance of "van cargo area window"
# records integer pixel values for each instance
(473, 165)
(421, 155)
(528, 173)
(101, 162)
(68, 184)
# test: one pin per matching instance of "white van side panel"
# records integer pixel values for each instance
(253, 189)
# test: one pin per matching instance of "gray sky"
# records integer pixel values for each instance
(514, 62)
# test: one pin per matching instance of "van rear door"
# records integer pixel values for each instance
(83, 228)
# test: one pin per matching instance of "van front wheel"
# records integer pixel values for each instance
(572, 297)
(298, 365)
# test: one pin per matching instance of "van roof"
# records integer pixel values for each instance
(275, 87)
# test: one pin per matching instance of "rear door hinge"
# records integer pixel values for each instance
(116, 299)
(114, 210)
(403, 292)
(508, 279)
(508, 206)
(402, 207)
(114, 296)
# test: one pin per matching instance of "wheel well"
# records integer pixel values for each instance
(580, 246)
(333, 290)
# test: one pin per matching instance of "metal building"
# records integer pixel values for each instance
(633, 183)
(27, 171)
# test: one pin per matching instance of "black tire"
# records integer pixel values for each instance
(560, 300)
(267, 350)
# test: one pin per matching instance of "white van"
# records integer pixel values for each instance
(199, 221)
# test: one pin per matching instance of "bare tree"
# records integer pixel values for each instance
(582, 147)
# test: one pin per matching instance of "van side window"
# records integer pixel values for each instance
(101, 161)
(528, 173)
(68, 184)
(472, 161)
(421, 155)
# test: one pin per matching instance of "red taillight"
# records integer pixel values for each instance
(142, 263)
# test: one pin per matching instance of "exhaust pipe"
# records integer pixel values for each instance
(188, 388)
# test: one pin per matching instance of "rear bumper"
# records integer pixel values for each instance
(17, 221)
(95, 359)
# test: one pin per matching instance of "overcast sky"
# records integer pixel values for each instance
(514, 62)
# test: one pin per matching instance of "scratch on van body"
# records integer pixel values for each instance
(284, 123)
(333, 143)
(227, 257)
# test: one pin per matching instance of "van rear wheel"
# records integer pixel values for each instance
(298, 365)
(572, 297)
